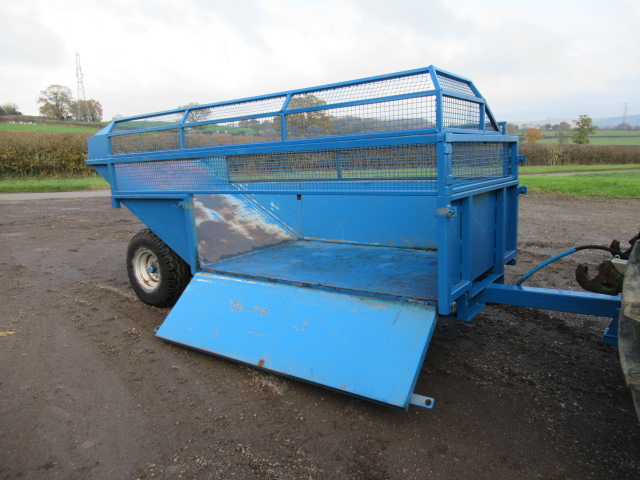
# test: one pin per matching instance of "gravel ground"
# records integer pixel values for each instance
(88, 392)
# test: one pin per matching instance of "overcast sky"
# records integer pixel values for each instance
(530, 60)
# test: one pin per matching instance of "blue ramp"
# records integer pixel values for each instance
(364, 346)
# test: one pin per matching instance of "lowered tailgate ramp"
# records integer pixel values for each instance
(368, 347)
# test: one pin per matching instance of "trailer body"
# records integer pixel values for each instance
(327, 228)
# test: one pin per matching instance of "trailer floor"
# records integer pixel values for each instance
(88, 392)
(393, 272)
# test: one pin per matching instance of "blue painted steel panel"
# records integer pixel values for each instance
(286, 207)
(396, 272)
(482, 234)
(369, 348)
(98, 145)
(169, 219)
(393, 221)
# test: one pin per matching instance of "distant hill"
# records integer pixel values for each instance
(611, 122)
(602, 122)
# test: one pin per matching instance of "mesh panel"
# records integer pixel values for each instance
(145, 142)
(174, 175)
(385, 163)
(165, 120)
(460, 113)
(488, 125)
(232, 133)
(401, 168)
(371, 118)
(255, 107)
(364, 91)
(456, 86)
(476, 161)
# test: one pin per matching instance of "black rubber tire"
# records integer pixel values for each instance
(161, 284)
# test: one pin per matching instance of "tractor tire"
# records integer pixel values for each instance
(629, 327)
(157, 274)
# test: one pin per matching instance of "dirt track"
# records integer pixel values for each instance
(87, 391)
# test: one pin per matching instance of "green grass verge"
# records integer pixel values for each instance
(574, 168)
(52, 184)
(606, 185)
(25, 127)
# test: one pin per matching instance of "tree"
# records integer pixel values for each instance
(584, 128)
(307, 124)
(9, 109)
(512, 128)
(87, 111)
(533, 135)
(563, 137)
(55, 102)
(564, 126)
(196, 115)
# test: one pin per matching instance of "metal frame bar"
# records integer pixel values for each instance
(551, 299)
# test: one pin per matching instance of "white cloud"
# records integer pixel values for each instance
(530, 60)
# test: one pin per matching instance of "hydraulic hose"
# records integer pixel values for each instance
(564, 254)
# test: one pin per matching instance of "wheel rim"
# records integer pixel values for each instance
(146, 269)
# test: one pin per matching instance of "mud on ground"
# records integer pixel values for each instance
(88, 392)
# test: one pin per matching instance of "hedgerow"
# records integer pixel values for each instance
(28, 154)
(572, 154)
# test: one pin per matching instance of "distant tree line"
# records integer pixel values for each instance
(56, 101)
(580, 134)
(9, 109)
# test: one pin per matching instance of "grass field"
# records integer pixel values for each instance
(52, 184)
(575, 168)
(27, 127)
(606, 185)
(599, 137)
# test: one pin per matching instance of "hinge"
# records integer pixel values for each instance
(421, 401)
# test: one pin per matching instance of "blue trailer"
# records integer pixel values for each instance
(319, 233)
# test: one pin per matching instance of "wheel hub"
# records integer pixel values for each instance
(146, 269)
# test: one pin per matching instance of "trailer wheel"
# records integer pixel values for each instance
(157, 274)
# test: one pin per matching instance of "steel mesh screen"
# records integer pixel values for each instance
(146, 142)
(477, 161)
(396, 115)
(164, 120)
(241, 109)
(233, 133)
(488, 125)
(458, 113)
(364, 91)
(400, 168)
(385, 163)
(174, 175)
(453, 85)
